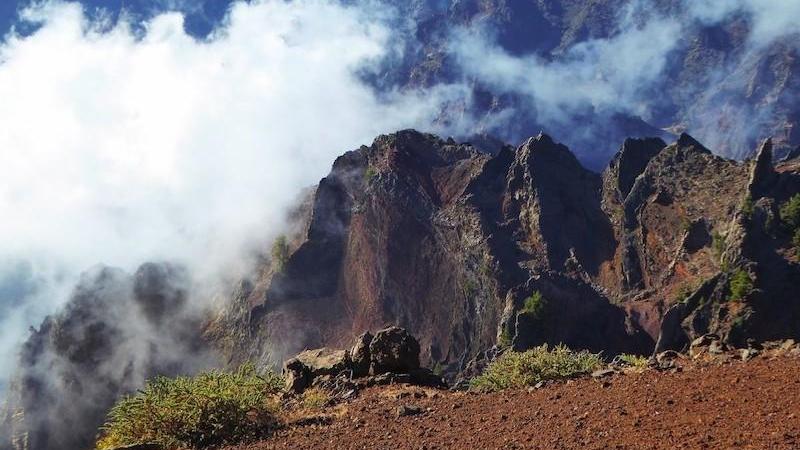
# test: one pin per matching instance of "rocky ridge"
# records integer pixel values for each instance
(472, 252)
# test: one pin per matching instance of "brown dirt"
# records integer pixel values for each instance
(736, 405)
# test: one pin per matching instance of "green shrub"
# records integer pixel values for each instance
(280, 253)
(796, 238)
(790, 212)
(505, 338)
(523, 369)
(210, 409)
(369, 174)
(741, 284)
(686, 224)
(684, 293)
(315, 398)
(718, 244)
(534, 305)
(635, 361)
(470, 288)
(748, 206)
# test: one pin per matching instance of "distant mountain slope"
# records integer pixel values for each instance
(721, 82)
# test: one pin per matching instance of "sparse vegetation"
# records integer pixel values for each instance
(470, 288)
(505, 338)
(684, 293)
(686, 224)
(210, 409)
(741, 284)
(635, 361)
(315, 398)
(790, 216)
(534, 305)
(369, 174)
(748, 206)
(523, 369)
(718, 244)
(280, 253)
(790, 212)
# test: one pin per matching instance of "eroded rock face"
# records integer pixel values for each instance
(451, 242)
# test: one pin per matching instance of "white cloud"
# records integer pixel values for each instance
(117, 149)
(611, 73)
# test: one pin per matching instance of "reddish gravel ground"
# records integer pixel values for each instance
(753, 405)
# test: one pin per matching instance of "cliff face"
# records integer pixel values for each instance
(469, 250)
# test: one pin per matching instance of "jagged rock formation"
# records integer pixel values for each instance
(392, 355)
(469, 250)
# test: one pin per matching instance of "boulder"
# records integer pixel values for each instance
(408, 410)
(297, 377)
(359, 355)
(325, 361)
(705, 343)
(393, 350)
(300, 371)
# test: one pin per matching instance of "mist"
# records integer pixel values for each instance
(122, 147)
(632, 71)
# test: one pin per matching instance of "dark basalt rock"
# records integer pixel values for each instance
(393, 350)
(392, 356)
(360, 355)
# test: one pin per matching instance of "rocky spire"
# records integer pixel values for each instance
(763, 173)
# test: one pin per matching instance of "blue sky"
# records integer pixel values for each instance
(201, 15)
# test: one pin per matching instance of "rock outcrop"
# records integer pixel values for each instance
(393, 356)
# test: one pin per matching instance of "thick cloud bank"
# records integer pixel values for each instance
(120, 147)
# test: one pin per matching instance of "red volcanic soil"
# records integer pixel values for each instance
(736, 405)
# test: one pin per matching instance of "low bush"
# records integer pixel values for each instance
(635, 361)
(523, 369)
(748, 206)
(280, 253)
(208, 410)
(315, 398)
(505, 338)
(741, 284)
(369, 174)
(718, 244)
(790, 212)
(534, 305)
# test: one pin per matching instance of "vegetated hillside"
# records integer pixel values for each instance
(469, 251)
